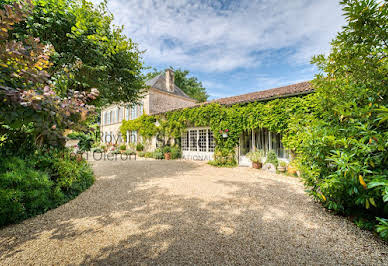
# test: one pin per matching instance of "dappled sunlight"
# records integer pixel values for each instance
(183, 212)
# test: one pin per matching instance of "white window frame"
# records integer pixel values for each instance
(133, 112)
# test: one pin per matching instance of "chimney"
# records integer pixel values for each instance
(169, 80)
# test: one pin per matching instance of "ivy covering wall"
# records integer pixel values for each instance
(274, 115)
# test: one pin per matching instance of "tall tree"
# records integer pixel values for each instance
(90, 52)
(190, 85)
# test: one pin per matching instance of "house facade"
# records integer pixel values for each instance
(198, 143)
(162, 96)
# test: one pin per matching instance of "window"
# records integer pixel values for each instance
(133, 136)
(211, 143)
(202, 141)
(193, 140)
(198, 140)
(133, 112)
(141, 107)
(119, 115)
(109, 114)
(126, 113)
(185, 141)
(266, 140)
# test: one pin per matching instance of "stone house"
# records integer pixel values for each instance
(162, 96)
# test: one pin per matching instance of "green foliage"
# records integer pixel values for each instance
(141, 154)
(144, 125)
(190, 85)
(341, 146)
(139, 147)
(148, 155)
(158, 154)
(26, 95)
(176, 152)
(39, 182)
(382, 228)
(85, 140)
(282, 163)
(272, 158)
(256, 156)
(90, 52)
(166, 149)
(123, 147)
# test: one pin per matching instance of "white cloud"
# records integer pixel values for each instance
(199, 36)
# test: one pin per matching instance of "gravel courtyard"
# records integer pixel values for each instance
(179, 212)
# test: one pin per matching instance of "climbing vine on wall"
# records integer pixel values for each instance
(274, 115)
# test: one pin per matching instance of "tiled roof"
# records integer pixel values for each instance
(286, 91)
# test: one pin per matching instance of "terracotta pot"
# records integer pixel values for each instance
(291, 170)
(257, 165)
(167, 156)
(281, 169)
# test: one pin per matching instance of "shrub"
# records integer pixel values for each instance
(223, 157)
(382, 228)
(176, 152)
(272, 158)
(165, 149)
(141, 154)
(148, 155)
(139, 147)
(129, 152)
(123, 147)
(39, 182)
(256, 156)
(283, 164)
(158, 155)
(24, 191)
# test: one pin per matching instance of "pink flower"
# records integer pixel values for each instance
(226, 130)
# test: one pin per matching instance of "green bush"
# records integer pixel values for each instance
(148, 155)
(272, 158)
(39, 182)
(256, 156)
(24, 191)
(139, 147)
(123, 147)
(85, 140)
(176, 152)
(382, 228)
(165, 149)
(141, 154)
(158, 155)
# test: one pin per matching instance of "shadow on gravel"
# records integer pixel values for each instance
(265, 221)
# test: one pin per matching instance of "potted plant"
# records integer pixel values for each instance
(256, 158)
(139, 147)
(167, 152)
(123, 147)
(282, 166)
(272, 158)
(224, 133)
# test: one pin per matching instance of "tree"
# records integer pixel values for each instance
(342, 145)
(190, 85)
(30, 105)
(89, 51)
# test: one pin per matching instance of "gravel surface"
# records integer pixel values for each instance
(180, 212)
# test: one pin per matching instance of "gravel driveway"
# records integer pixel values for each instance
(179, 212)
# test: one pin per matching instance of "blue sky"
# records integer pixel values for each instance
(233, 47)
